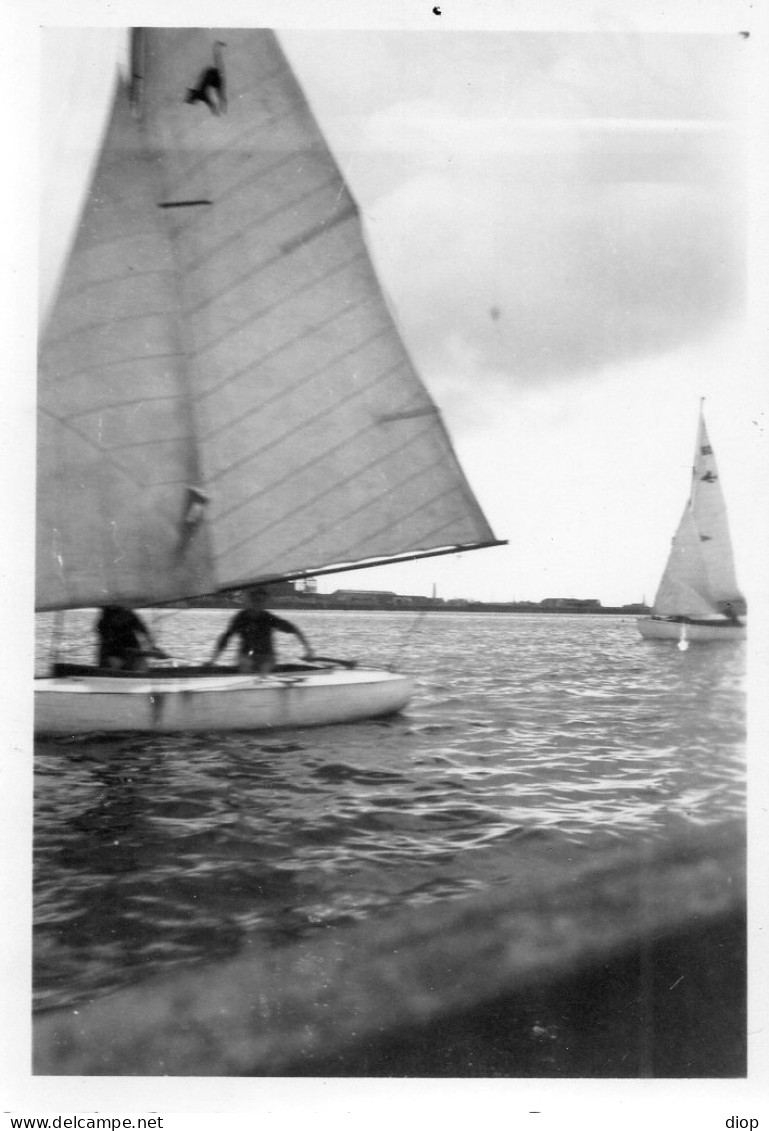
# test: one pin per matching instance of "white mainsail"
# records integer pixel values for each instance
(224, 397)
(699, 578)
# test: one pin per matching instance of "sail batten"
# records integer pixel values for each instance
(220, 329)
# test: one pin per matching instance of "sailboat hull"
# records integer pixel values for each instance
(664, 628)
(163, 703)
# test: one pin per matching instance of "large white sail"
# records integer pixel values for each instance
(224, 396)
(699, 578)
(710, 518)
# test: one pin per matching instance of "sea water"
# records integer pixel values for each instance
(532, 740)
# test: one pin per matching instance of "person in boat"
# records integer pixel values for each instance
(255, 626)
(125, 642)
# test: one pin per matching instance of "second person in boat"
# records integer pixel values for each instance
(125, 642)
(255, 626)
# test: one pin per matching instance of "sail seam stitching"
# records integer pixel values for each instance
(261, 314)
(289, 344)
(369, 535)
(364, 469)
(237, 237)
(258, 269)
(314, 376)
(307, 422)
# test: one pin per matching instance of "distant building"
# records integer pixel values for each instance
(364, 597)
(570, 603)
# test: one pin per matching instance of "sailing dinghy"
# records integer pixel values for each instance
(698, 599)
(224, 399)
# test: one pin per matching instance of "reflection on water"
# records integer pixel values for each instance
(532, 740)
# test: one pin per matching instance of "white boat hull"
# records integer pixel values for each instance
(661, 628)
(163, 703)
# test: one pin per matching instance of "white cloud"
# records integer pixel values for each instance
(546, 280)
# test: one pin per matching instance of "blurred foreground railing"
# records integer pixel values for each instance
(628, 966)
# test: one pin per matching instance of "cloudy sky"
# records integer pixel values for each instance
(559, 218)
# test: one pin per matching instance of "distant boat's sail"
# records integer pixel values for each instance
(699, 579)
(683, 590)
(224, 397)
(709, 514)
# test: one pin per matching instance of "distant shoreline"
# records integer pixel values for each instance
(328, 603)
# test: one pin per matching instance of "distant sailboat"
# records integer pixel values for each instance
(224, 399)
(698, 599)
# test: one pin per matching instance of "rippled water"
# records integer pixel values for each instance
(531, 740)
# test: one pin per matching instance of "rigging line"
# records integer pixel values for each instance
(290, 343)
(394, 661)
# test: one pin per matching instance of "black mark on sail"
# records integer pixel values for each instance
(706, 450)
(319, 229)
(436, 11)
(183, 203)
(211, 86)
(708, 477)
(407, 414)
(706, 538)
(136, 86)
(195, 503)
